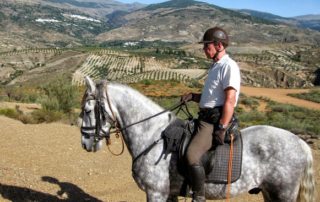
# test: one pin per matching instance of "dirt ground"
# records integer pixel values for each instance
(45, 162)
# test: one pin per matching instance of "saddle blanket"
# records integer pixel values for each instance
(219, 161)
(216, 161)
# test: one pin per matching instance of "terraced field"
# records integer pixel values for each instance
(128, 68)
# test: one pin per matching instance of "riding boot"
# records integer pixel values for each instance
(197, 175)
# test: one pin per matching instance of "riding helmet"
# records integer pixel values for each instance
(214, 35)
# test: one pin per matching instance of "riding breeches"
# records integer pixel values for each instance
(201, 143)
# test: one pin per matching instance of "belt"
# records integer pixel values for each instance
(210, 115)
(205, 109)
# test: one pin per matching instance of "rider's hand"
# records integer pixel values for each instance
(219, 136)
(186, 97)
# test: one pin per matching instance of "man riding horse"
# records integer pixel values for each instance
(217, 101)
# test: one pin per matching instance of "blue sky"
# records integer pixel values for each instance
(284, 8)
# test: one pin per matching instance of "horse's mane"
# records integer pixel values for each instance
(129, 90)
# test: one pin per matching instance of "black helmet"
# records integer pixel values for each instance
(215, 34)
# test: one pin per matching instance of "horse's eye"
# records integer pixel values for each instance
(88, 107)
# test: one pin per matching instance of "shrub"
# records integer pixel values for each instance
(313, 95)
(249, 101)
(11, 113)
(61, 96)
(21, 94)
(194, 83)
(146, 82)
(43, 115)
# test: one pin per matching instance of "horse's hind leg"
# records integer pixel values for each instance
(160, 197)
(279, 194)
(172, 199)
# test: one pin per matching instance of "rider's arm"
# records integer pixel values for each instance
(228, 107)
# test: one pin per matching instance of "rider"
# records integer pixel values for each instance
(217, 101)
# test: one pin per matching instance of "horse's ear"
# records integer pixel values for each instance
(90, 85)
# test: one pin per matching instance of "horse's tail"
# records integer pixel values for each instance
(307, 184)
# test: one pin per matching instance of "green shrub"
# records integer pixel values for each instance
(16, 114)
(146, 82)
(21, 94)
(249, 101)
(194, 83)
(11, 113)
(313, 95)
(61, 96)
(253, 117)
(50, 104)
(43, 115)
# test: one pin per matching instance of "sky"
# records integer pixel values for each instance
(284, 8)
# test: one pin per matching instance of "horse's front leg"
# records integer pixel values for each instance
(153, 196)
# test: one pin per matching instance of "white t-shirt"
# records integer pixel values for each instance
(222, 74)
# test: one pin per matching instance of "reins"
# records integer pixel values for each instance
(230, 169)
(118, 129)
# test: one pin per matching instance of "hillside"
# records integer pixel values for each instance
(306, 21)
(37, 66)
(156, 42)
(54, 23)
(187, 20)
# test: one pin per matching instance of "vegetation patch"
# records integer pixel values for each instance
(313, 95)
(284, 116)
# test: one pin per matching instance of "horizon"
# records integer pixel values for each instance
(283, 8)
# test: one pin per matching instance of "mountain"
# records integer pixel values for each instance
(187, 20)
(309, 21)
(271, 50)
(95, 8)
(55, 23)
(305, 21)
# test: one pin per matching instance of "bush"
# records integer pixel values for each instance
(194, 83)
(43, 115)
(313, 95)
(61, 96)
(249, 101)
(21, 94)
(11, 113)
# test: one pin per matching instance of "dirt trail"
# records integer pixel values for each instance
(45, 162)
(280, 95)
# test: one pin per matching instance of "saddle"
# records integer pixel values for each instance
(177, 137)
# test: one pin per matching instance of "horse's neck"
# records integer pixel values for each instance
(133, 107)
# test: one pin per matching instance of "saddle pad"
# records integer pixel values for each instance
(220, 159)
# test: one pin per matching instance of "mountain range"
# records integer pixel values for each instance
(61, 23)
(272, 50)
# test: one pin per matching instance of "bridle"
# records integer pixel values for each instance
(100, 112)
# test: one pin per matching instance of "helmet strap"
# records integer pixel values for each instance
(216, 54)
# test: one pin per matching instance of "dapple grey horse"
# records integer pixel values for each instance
(275, 161)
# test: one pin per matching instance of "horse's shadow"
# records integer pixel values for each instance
(68, 192)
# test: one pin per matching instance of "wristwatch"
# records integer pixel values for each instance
(221, 126)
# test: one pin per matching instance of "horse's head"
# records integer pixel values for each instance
(96, 117)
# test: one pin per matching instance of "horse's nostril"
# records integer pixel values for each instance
(84, 146)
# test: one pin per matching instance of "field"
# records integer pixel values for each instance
(45, 162)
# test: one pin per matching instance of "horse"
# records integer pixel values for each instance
(275, 161)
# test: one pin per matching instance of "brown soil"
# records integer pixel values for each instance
(45, 162)
(280, 95)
